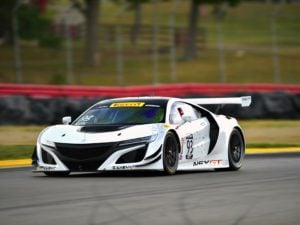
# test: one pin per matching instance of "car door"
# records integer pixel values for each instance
(193, 130)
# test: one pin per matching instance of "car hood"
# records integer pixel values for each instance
(96, 134)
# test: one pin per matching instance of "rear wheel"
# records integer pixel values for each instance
(170, 154)
(57, 174)
(236, 150)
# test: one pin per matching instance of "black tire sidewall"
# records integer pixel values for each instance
(170, 170)
(232, 164)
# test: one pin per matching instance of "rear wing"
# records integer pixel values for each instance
(244, 101)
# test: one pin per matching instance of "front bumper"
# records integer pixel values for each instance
(93, 157)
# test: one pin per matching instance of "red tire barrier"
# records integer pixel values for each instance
(73, 91)
(46, 104)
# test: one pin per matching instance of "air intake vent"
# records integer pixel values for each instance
(47, 158)
(133, 156)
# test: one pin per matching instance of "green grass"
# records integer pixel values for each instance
(8, 152)
(268, 145)
(18, 141)
(247, 41)
(272, 132)
(19, 135)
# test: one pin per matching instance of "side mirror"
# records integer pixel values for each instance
(67, 120)
(187, 119)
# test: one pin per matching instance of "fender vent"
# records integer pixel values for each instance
(133, 156)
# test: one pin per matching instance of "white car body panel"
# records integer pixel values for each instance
(194, 140)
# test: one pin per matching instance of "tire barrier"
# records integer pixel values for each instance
(73, 91)
(23, 110)
(274, 105)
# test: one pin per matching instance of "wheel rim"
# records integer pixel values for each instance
(236, 148)
(170, 152)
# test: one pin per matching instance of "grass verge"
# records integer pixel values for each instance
(8, 152)
(271, 145)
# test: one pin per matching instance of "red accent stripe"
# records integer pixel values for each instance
(74, 91)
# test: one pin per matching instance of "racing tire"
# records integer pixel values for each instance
(236, 150)
(57, 174)
(170, 154)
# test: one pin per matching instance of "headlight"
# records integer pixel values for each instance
(43, 141)
(49, 144)
(141, 140)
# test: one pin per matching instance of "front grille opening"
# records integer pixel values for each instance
(133, 156)
(47, 158)
(89, 157)
(84, 151)
(84, 157)
(91, 166)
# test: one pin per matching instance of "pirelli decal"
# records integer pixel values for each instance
(127, 104)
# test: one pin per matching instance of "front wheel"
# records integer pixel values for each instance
(170, 154)
(236, 150)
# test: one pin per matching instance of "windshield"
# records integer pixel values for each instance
(122, 113)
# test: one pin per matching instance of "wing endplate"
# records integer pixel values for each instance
(244, 101)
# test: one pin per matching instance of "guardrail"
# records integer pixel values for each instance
(73, 91)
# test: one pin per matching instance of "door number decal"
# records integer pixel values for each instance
(189, 145)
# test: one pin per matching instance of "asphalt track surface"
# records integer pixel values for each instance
(265, 191)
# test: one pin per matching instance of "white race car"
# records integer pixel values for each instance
(143, 133)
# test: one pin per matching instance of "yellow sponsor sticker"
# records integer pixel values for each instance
(166, 126)
(127, 104)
